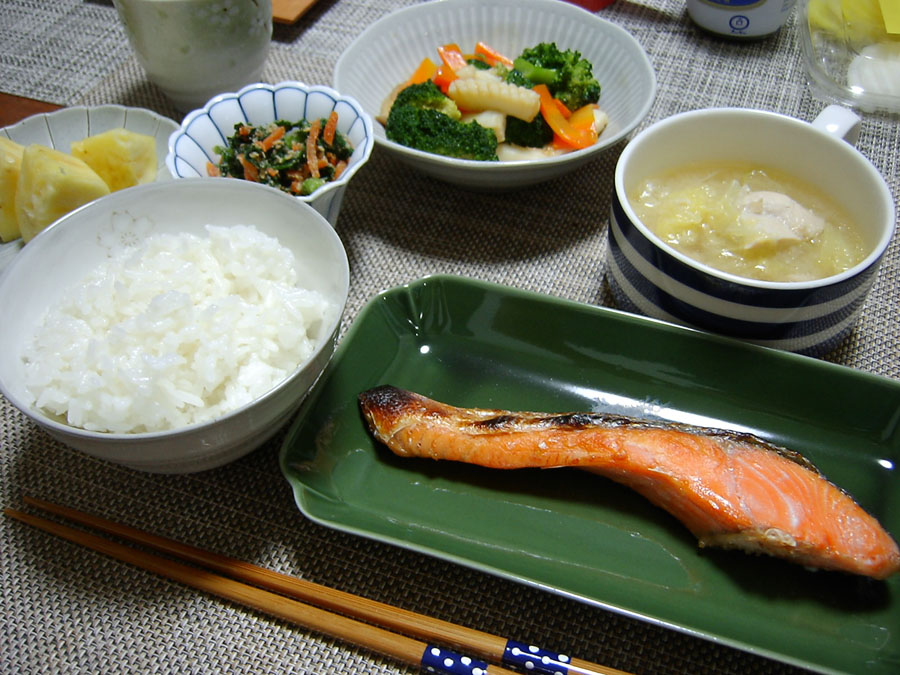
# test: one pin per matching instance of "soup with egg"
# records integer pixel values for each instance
(751, 221)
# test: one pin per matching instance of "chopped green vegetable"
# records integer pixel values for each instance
(422, 117)
(534, 134)
(574, 83)
(535, 74)
(427, 95)
(276, 154)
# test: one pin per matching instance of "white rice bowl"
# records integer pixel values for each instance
(182, 325)
(176, 330)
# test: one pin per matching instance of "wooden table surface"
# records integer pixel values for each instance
(15, 108)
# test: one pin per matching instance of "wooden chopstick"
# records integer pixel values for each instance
(436, 631)
(400, 647)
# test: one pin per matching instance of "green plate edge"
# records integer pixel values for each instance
(474, 343)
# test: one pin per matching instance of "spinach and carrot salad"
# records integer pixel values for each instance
(296, 157)
(486, 106)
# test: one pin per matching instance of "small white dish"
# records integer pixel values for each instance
(388, 51)
(58, 129)
(193, 146)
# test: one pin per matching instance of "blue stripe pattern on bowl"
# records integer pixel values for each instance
(645, 278)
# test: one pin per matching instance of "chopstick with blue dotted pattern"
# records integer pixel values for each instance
(430, 633)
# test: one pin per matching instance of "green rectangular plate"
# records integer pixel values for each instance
(480, 345)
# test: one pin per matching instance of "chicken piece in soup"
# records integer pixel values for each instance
(751, 221)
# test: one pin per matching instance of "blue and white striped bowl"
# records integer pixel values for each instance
(649, 277)
(193, 145)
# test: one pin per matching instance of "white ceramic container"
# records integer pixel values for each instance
(76, 243)
(194, 145)
(58, 129)
(387, 52)
(195, 49)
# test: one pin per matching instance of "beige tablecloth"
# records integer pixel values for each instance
(69, 610)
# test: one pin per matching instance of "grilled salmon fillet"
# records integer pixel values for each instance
(730, 489)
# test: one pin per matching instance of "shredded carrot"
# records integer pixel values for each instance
(491, 55)
(212, 170)
(245, 130)
(250, 171)
(270, 140)
(298, 175)
(330, 128)
(312, 156)
(339, 169)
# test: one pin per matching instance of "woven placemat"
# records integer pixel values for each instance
(75, 611)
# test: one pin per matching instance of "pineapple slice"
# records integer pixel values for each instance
(122, 158)
(10, 161)
(52, 183)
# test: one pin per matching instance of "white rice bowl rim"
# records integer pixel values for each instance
(325, 340)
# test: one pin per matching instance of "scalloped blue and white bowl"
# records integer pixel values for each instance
(193, 145)
(388, 51)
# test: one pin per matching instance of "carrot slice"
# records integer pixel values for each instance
(452, 56)
(491, 55)
(330, 128)
(568, 134)
(312, 155)
(443, 77)
(563, 108)
(270, 140)
(425, 71)
(583, 118)
(250, 172)
(212, 170)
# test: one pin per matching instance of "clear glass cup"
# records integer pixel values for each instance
(195, 49)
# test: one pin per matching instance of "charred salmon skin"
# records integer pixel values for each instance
(730, 489)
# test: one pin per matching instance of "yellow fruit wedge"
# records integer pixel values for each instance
(122, 158)
(52, 183)
(10, 160)
(858, 22)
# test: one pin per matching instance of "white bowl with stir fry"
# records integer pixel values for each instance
(750, 224)
(306, 140)
(388, 53)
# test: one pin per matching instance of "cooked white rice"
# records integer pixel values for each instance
(179, 330)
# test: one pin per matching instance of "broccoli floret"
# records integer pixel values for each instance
(420, 119)
(567, 75)
(534, 134)
(427, 95)
(430, 131)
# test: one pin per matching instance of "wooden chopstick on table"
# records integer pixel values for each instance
(378, 637)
